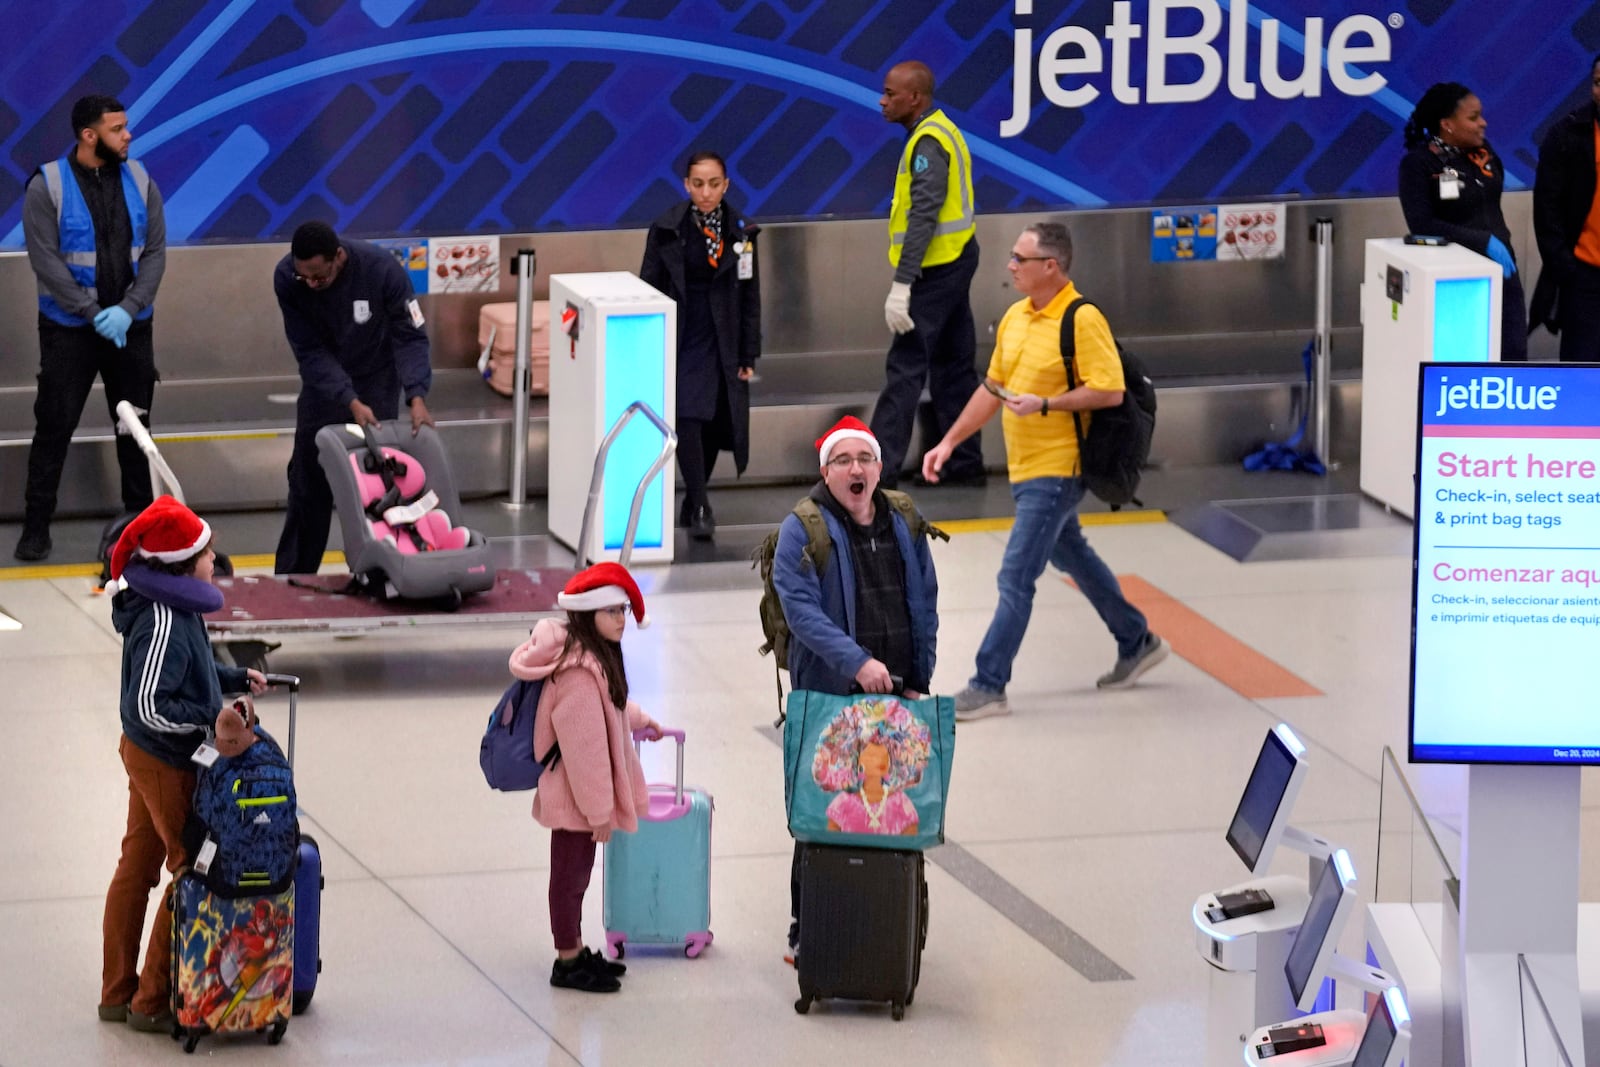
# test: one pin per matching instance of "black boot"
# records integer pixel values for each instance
(34, 545)
(702, 524)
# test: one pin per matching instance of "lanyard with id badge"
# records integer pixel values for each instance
(1449, 184)
(746, 251)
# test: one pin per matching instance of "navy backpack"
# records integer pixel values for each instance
(506, 753)
(246, 805)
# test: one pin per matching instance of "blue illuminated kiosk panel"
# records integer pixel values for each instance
(625, 350)
(1506, 607)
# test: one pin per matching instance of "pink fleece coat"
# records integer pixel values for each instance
(598, 781)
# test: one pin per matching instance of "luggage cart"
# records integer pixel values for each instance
(257, 609)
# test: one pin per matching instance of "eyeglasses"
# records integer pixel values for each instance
(322, 278)
(1028, 259)
(865, 459)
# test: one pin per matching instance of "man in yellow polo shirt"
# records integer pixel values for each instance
(1029, 380)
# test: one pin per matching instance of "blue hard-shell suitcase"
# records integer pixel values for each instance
(658, 879)
(308, 883)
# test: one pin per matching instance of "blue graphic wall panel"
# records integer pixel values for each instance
(416, 117)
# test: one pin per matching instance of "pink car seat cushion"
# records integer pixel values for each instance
(434, 527)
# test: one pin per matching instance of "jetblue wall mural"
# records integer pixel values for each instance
(405, 117)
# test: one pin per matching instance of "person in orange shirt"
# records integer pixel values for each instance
(1028, 378)
(1566, 222)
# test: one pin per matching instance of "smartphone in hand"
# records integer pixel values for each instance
(999, 390)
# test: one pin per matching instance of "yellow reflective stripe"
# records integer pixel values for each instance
(258, 802)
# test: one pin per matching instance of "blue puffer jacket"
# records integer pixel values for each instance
(821, 609)
(171, 686)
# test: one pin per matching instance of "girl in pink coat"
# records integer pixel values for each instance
(596, 784)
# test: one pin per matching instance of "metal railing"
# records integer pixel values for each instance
(1541, 1041)
(669, 445)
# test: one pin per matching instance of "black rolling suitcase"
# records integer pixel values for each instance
(863, 922)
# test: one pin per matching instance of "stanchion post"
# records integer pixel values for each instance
(1322, 371)
(523, 267)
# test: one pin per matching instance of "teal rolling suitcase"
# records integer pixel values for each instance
(658, 879)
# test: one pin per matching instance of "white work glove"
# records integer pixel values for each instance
(897, 309)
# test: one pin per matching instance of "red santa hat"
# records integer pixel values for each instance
(166, 531)
(845, 428)
(604, 585)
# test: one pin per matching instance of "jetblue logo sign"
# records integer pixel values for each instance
(1495, 394)
(1291, 63)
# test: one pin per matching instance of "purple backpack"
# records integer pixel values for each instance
(506, 754)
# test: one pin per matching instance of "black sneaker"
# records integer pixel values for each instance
(596, 962)
(33, 546)
(576, 974)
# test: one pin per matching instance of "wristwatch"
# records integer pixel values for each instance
(1045, 407)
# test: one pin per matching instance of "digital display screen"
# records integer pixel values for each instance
(1379, 1036)
(1313, 929)
(1263, 796)
(1506, 565)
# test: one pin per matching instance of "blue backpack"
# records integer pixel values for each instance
(247, 807)
(506, 753)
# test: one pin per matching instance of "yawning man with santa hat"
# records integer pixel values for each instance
(869, 615)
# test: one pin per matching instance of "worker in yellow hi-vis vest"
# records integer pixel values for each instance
(934, 253)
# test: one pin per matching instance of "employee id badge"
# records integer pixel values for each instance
(747, 262)
(1449, 185)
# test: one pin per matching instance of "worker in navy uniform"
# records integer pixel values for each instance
(356, 329)
(934, 251)
(96, 235)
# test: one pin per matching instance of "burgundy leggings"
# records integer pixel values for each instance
(571, 862)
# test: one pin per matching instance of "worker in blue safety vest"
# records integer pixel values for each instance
(96, 235)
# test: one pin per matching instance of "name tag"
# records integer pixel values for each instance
(205, 755)
(747, 264)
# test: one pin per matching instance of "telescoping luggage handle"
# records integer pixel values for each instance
(641, 735)
(292, 683)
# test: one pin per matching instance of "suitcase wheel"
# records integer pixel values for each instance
(803, 1005)
(897, 1011)
(277, 1031)
(696, 944)
(190, 1042)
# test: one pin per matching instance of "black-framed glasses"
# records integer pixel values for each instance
(324, 277)
(1014, 258)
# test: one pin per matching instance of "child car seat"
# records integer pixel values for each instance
(395, 499)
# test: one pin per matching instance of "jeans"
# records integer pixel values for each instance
(159, 799)
(1047, 531)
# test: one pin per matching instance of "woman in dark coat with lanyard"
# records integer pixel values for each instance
(702, 254)
(1566, 222)
(1450, 185)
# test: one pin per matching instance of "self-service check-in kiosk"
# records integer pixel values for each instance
(613, 342)
(1420, 303)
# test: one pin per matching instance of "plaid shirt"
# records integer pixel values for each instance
(883, 619)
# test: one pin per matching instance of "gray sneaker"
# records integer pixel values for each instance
(974, 703)
(1127, 671)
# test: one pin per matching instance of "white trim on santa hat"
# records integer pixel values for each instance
(178, 555)
(841, 432)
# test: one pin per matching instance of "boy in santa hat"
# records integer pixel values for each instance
(871, 615)
(172, 695)
(586, 721)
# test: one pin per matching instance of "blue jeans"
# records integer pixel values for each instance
(1047, 531)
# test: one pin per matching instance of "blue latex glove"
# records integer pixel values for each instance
(112, 324)
(1502, 255)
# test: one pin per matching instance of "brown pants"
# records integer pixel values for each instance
(159, 798)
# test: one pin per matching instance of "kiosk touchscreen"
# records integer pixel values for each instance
(1506, 582)
(1388, 1035)
(1312, 957)
(1263, 813)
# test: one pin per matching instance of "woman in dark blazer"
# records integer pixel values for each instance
(1450, 185)
(702, 253)
(1566, 223)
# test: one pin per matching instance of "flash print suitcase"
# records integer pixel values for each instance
(863, 923)
(232, 962)
(658, 879)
